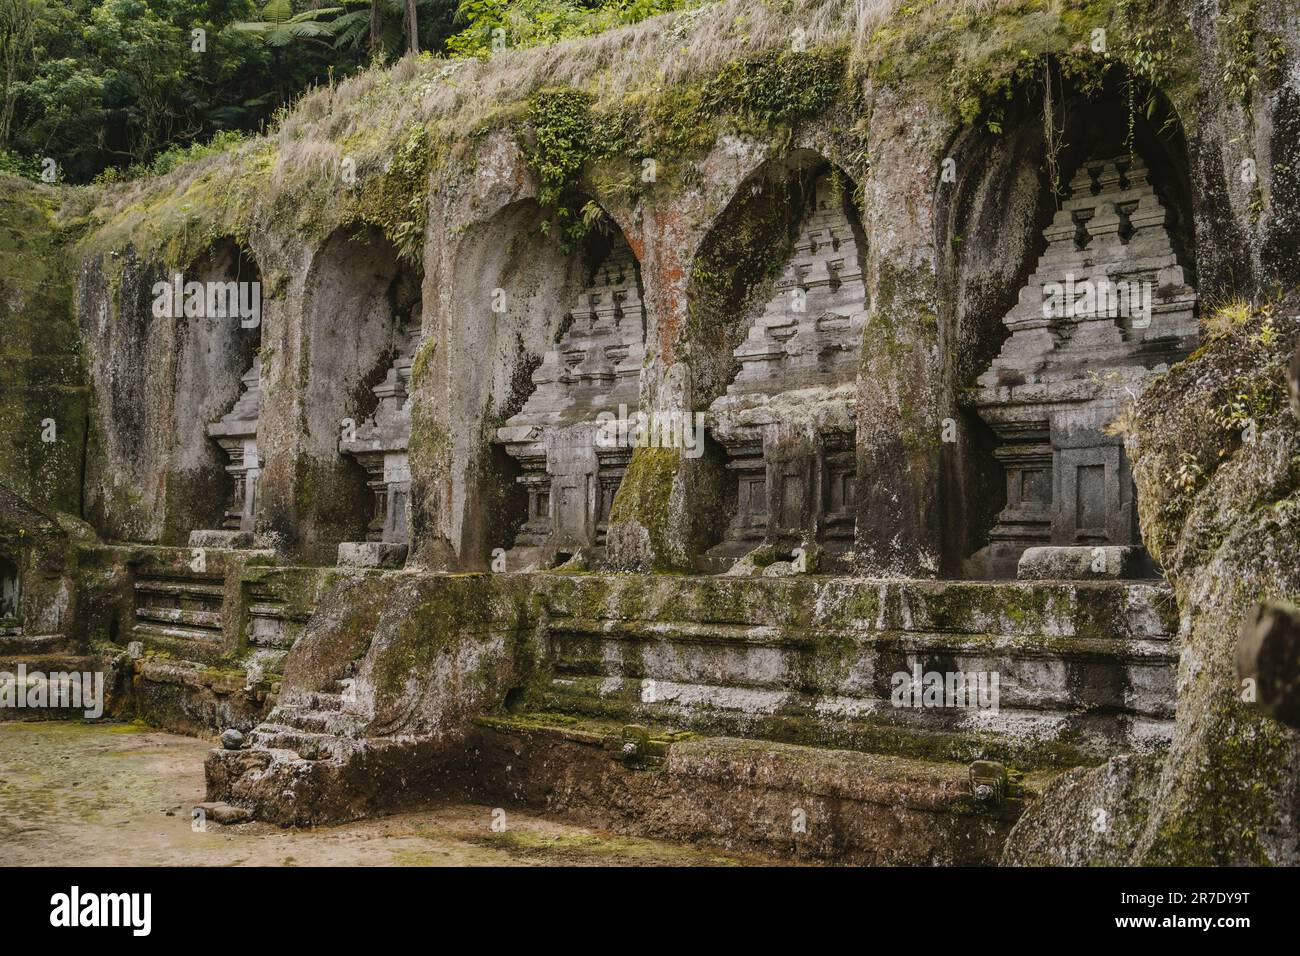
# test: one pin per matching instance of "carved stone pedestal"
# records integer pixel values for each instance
(236, 432)
(380, 446)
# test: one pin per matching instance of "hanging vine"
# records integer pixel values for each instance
(1052, 132)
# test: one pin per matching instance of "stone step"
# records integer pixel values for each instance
(22, 645)
(780, 635)
(808, 608)
(49, 662)
(798, 801)
(190, 619)
(1051, 673)
(333, 722)
(304, 743)
(181, 643)
(204, 589)
(324, 700)
(150, 630)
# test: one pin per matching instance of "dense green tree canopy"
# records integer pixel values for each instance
(105, 88)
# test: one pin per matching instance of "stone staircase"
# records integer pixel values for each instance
(310, 762)
(213, 639)
(311, 727)
(180, 612)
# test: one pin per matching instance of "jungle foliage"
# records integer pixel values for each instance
(113, 88)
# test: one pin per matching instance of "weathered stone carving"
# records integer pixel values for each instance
(236, 432)
(1108, 306)
(787, 420)
(594, 368)
(380, 446)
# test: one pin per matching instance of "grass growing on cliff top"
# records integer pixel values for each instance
(651, 76)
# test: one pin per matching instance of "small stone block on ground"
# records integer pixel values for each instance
(371, 554)
(223, 813)
(1082, 562)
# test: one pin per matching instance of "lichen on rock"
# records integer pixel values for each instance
(1216, 451)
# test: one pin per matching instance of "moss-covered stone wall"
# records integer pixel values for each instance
(43, 393)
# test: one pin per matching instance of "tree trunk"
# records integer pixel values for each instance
(412, 29)
(376, 27)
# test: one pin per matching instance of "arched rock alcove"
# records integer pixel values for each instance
(572, 437)
(217, 338)
(777, 308)
(539, 336)
(359, 308)
(1058, 306)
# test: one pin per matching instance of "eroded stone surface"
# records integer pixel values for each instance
(570, 472)
(786, 421)
(1109, 306)
(354, 684)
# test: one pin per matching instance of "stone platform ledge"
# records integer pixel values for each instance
(178, 559)
(38, 668)
(1085, 608)
(1085, 562)
(775, 798)
(782, 799)
(24, 644)
(371, 554)
(374, 776)
(192, 698)
(225, 540)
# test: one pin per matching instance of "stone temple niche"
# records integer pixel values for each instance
(217, 397)
(595, 367)
(236, 432)
(1109, 305)
(380, 446)
(786, 420)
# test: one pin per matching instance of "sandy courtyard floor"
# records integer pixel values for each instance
(120, 795)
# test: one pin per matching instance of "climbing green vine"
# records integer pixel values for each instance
(762, 96)
(396, 200)
(561, 122)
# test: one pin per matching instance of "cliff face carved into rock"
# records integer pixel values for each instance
(1216, 450)
(856, 261)
(945, 174)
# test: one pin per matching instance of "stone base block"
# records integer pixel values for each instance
(526, 558)
(1069, 563)
(229, 540)
(223, 813)
(993, 562)
(371, 554)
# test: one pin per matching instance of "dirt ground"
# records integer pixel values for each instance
(74, 793)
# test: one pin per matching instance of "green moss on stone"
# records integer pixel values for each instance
(643, 497)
